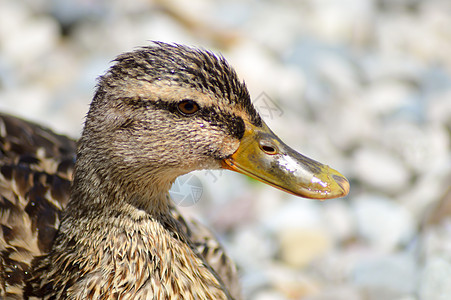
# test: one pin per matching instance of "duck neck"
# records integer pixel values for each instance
(110, 190)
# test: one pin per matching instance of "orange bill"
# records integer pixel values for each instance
(263, 156)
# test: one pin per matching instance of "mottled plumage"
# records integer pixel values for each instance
(35, 171)
(159, 112)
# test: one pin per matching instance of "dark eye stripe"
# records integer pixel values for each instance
(234, 125)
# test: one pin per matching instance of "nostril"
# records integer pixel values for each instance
(268, 148)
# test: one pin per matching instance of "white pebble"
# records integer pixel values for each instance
(380, 169)
(435, 283)
(394, 275)
(382, 222)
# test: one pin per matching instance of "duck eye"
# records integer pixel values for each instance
(188, 107)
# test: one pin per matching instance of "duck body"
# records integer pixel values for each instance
(144, 257)
(36, 167)
(159, 112)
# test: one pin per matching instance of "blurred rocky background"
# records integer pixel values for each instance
(362, 85)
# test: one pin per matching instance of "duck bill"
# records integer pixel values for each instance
(263, 156)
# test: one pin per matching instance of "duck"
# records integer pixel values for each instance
(93, 219)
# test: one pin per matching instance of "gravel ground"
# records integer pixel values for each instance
(364, 86)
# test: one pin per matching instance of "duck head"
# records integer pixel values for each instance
(165, 110)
